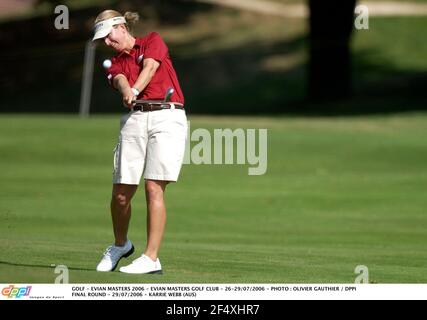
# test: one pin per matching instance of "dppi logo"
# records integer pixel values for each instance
(15, 292)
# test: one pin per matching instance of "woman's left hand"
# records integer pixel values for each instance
(128, 98)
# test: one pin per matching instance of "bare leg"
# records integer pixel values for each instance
(121, 211)
(156, 216)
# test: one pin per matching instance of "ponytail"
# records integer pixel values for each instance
(131, 19)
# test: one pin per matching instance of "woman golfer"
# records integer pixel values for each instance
(152, 135)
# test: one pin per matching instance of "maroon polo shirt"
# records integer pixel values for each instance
(131, 64)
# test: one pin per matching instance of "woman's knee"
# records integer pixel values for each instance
(121, 199)
(154, 189)
(122, 194)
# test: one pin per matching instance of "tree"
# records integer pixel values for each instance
(331, 24)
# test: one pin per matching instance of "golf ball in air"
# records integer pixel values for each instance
(107, 63)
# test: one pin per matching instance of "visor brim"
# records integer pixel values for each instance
(101, 33)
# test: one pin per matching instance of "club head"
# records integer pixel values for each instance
(168, 94)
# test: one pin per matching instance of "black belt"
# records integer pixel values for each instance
(155, 107)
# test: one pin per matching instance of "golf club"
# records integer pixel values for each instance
(168, 94)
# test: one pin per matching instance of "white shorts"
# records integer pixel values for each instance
(150, 144)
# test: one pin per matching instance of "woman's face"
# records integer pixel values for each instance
(116, 39)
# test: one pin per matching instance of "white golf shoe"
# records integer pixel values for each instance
(143, 264)
(112, 256)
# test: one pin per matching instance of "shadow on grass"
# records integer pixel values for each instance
(41, 266)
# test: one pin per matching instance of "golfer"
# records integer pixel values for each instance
(152, 135)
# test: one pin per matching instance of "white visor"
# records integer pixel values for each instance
(103, 28)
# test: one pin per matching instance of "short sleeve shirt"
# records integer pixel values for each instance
(131, 64)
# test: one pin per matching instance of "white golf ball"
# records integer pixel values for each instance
(106, 64)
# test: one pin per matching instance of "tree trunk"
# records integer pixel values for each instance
(331, 23)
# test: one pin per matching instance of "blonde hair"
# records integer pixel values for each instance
(130, 17)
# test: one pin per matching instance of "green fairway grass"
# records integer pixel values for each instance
(338, 193)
